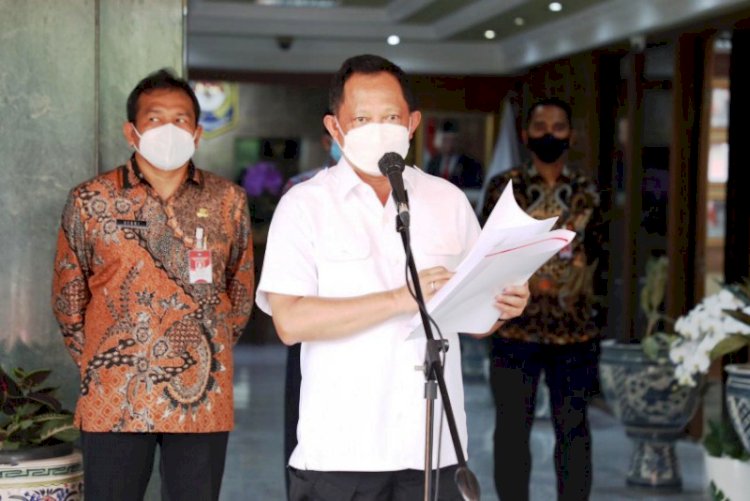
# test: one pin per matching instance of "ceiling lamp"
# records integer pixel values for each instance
(489, 34)
(519, 21)
(555, 6)
(394, 40)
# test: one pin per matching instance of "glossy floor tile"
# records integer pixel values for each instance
(255, 471)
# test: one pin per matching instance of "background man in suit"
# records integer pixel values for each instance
(451, 164)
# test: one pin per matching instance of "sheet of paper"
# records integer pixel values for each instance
(511, 247)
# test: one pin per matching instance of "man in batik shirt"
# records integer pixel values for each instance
(557, 333)
(153, 285)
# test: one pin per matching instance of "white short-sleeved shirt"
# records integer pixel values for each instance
(362, 404)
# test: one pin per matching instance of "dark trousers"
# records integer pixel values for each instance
(403, 485)
(117, 466)
(291, 404)
(571, 375)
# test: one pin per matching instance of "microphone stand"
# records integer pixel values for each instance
(465, 480)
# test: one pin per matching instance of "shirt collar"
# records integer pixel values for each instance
(133, 176)
(565, 176)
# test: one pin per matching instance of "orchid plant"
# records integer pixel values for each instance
(263, 183)
(719, 325)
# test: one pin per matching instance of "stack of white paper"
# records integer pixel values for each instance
(511, 247)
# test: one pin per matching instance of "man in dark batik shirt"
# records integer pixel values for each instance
(556, 334)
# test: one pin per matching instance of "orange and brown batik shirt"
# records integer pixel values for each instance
(154, 350)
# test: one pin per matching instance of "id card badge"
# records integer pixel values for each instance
(199, 261)
(201, 269)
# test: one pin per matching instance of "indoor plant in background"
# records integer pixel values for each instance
(263, 183)
(727, 463)
(37, 458)
(638, 381)
(720, 325)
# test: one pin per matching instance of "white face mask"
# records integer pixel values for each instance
(364, 146)
(166, 147)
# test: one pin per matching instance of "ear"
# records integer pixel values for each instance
(415, 118)
(329, 121)
(198, 134)
(128, 131)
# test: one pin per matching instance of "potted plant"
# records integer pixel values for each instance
(727, 463)
(37, 458)
(718, 326)
(638, 381)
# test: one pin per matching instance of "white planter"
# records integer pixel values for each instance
(55, 478)
(730, 476)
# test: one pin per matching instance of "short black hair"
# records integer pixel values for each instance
(367, 64)
(551, 101)
(161, 79)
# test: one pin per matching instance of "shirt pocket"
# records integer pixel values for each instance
(341, 250)
(438, 250)
(345, 266)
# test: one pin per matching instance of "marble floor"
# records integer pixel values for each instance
(254, 468)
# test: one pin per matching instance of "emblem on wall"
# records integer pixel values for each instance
(219, 106)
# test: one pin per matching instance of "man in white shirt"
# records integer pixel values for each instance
(334, 279)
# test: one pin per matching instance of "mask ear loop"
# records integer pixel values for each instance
(137, 134)
(341, 131)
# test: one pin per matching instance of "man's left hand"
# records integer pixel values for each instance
(512, 301)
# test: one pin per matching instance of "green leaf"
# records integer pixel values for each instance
(740, 291)
(729, 345)
(722, 440)
(712, 440)
(12, 428)
(41, 418)
(739, 315)
(37, 377)
(62, 429)
(9, 446)
(27, 409)
(7, 385)
(25, 424)
(46, 400)
(651, 348)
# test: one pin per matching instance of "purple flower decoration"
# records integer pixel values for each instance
(263, 176)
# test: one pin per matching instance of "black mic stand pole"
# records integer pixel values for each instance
(465, 480)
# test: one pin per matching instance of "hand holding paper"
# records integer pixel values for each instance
(511, 247)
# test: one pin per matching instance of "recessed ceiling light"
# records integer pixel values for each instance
(394, 40)
(555, 6)
(519, 21)
(489, 34)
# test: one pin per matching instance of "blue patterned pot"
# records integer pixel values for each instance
(738, 401)
(58, 478)
(654, 409)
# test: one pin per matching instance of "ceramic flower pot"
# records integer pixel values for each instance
(653, 408)
(54, 473)
(727, 477)
(738, 401)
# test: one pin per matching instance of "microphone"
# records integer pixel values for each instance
(391, 165)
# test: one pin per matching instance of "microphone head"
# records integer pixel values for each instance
(390, 162)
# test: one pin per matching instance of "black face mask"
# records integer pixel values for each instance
(548, 148)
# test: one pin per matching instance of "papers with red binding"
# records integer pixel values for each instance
(511, 247)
